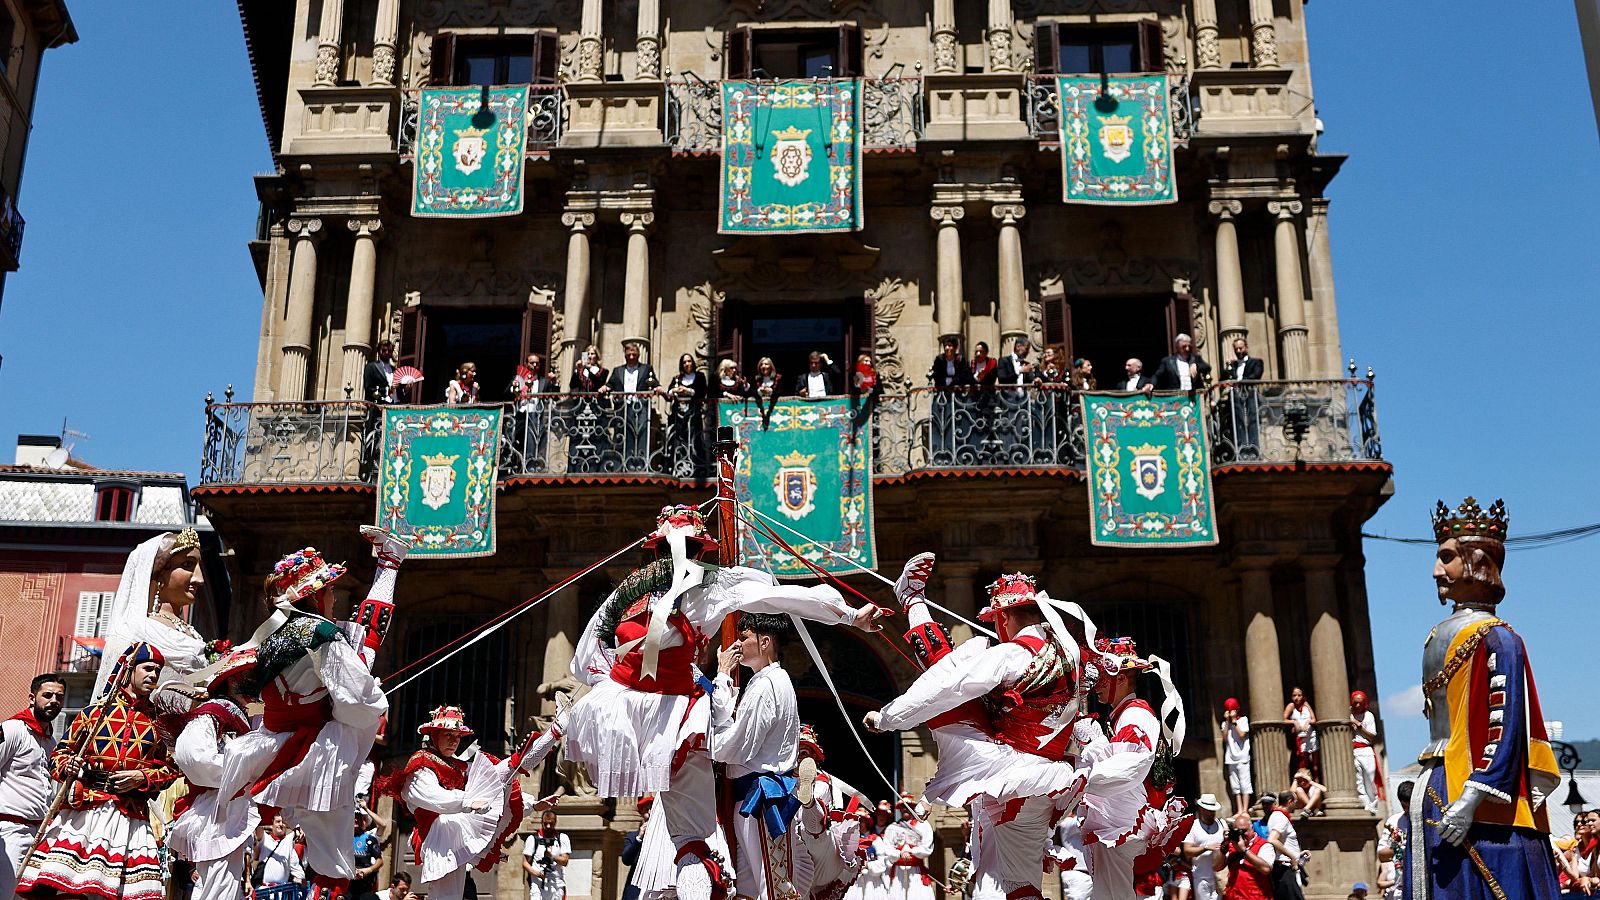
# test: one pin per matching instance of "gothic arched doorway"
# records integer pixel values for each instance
(865, 685)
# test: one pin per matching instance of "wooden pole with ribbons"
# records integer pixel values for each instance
(726, 451)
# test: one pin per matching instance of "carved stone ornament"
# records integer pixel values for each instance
(327, 65)
(383, 62)
(888, 302)
(1000, 50)
(517, 13)
(305, 227)
(944, 51)
(703, 299)
(1077, 275)
(1264, 45)
(1207, 50)
(589, 58)
(779, 10)
(1027, 9)
(647, 58)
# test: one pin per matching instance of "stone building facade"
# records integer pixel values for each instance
(965, 234)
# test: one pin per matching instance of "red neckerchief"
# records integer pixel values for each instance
(27, 718)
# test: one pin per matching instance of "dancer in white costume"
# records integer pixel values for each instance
(828, 824)
(199, 833)
(910, 843)
(641, 727)
(160, 579)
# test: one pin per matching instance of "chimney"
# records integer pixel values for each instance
(35, 449)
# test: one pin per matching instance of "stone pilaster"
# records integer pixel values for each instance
(358, 307)
(636, 284)
(575, 301)
(1263, 35)
(591, 60)
(1291, 296)
(302, 303)
(1207, 52)
(1263, 668)
(1230, 281)
(1324, 306)
(961, 596)
(1013, 288)
(274, 297)
(949, 305)
(385, 42)
(945, 47)
(329, 34)
(997, 35)
(647, 45)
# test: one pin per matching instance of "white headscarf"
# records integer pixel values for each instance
(130, 621)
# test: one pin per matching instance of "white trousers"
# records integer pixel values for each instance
(690, 808)
(1205, 890)
(220, 879)
(1367, 777)
(450, 887)
(1009, 855)
(1076, 885)
(329, 850)
(16, 838)
(764, 869)
(1113, 870)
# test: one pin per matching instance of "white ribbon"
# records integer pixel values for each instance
(685, 575)
(1170, 701)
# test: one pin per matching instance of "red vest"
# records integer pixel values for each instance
(1244, 882)
(674, 672)
(1019, 717)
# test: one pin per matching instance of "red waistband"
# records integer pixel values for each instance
(673, 675)
(280, 714)
(18, 820)
(1360, 745)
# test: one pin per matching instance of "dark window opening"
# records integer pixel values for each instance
(491, 339)
(787, 333)
(113, 503)
(1067, 49)
(8, 34)
(501, 60)
(1108, 331)
(778, 53)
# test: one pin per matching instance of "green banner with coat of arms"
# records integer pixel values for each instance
(471, 144)
(1116, 139)
(810, 470)
(791, 156)
(436, 478)
(1149, 471)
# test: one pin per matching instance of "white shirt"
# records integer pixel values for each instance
(1209, 837)
(755, 728)
(1236, 748)
(1134, 382)
(1238, 367)
(1368, 723)
(1016, 366)
(1183, 374)
(816, 385)
(555, 874)
(26, 787)
(279, 863)
(1280, 822)
(630, 378)
(943, 688)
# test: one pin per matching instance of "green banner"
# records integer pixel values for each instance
(791, 157)
(470, 152)
(436, 484)
(812, 472)
(1149, 471)
(1116, 139)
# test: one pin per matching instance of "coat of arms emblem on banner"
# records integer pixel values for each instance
(469, 150)
(795, 485)
(1116, 137)
(791, 156)
(438, 480)
(1149, 470)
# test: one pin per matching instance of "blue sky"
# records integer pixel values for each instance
(1466, 251)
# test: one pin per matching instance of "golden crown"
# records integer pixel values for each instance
(188, 539)
(1470, 520)
(1116, 120)
(470, 132)
(440, 459)
(792, 134)
(796, 458)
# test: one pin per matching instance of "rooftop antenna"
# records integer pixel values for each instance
(66, 449)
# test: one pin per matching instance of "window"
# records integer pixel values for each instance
(114, 502)
(463, 59)
(1068, 49)
(94, 613)
(8, 35)
(795, 52)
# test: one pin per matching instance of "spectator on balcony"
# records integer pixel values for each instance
(635, 380)
(821, 378)
(1052, 406)
(530, 391)
(1299, 716)
(463, 389)
(986, 374)
(1182, 370)
(950, 377)
(1082, 377)
(1135, 379)
(729, 384)
(587, 417)
(1363, 740)
(985, 371)
(865, 389)
(686, 418)
(1236, 754)
(1016, 368)
(588, 375)
(377, 378)
(1242, 405)
(1308, 795)
(766, 387)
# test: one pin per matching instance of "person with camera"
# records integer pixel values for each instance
(1248, 859)
(545, 855)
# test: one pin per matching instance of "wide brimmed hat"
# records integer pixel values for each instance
(446, 720)
(808, 742)
(236, 662)
(684, 520)
(1208, 802)
(1010, 591)
(304, 572)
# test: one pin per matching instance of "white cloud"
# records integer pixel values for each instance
(1406, 704)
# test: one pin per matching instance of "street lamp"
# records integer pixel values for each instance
(1567, 758)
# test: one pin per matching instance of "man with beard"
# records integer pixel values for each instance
(25, 783)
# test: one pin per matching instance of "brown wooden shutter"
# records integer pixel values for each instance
(1151, 54)
(413, 330)
(1057, 322)
(741, 52)
(546, 58)
(1180, 316)
(865, 338)
(1046, 47)
(536, 321)
(724, 336)
(849, 52)
(442, 70)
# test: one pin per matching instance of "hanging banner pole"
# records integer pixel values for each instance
(726, 449)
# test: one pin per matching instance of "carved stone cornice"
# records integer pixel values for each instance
(578, 221)
(947, 215)
(305, 227)
(1225, 209)
(1285, 209)
(369, 228)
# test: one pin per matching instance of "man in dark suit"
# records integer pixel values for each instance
(378, 376)
(951, 377)
(636, 380)
(1183, 370)
(1136, 381)
(820, 379)
(1241, 413)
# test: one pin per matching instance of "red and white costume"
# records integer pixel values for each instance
(322, 710)
(1368, 781)
(464, 812)
(26, 789)
(829, 831)
(907, 844)
(199, 833)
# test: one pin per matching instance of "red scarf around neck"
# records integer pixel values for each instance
(27, 718)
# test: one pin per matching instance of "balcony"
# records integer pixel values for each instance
(11, 225)
(971, 431)
(547, 120)
(891, 115)
(1044, 109)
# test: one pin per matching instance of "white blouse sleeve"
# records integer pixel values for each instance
(197, 754)
(738, 739)
(743, 589)
(357, 698)
(423, 791)
(943, 688)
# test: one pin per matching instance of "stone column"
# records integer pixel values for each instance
(1339, 765)
(591, 63)
(1324, 308)
(1291, 297)
(949, 306)
(636, 285)
(329, 34)
(561, 639)
(385, 42)
(302, 300)
(1263, 35)
(945, 47)
(273, 297)
(1230, 283)
(575, 300)
(358, 307)
(961, 595)
(1208, 54)
(1269, 748)
(647, 46)
(1330, 681)
(1013, 287)
(998, 36)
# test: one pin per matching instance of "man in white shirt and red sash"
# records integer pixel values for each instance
(828, 823)
(322, 707)
(25, 783)
(1369, 782)
(909, 843)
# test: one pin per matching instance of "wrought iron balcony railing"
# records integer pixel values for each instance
(924, 430)
(11, 226)
(547, 119)
(891, 115)
(1044, 109)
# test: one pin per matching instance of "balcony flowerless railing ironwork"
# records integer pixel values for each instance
(547, 119)
(1044, 109)
(891, 115)
(561, 436)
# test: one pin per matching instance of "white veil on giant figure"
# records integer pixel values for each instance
(130, 621)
